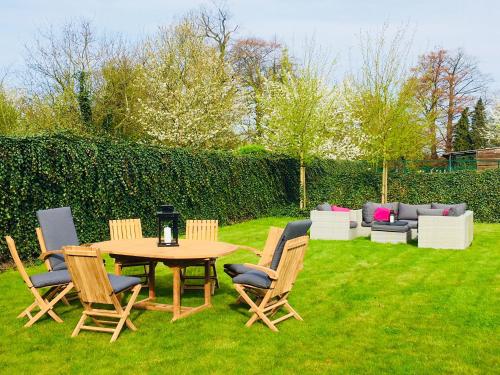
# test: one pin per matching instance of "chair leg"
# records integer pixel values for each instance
(258, 312)
(79, 325)
(215, 279)
(124, 314)
(291, 310)
(46, 306)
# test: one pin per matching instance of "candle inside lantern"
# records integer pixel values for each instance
(167, 234)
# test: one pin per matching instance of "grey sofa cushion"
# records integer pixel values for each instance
(390, 228)
(409, 211)
(121, 283)
(58, 230)
(235, 269)
(365, 224)
(292, 230)
(353, 224)
(369, 209)
(430, 211)
(255, 278)
(323, 207)
(413, 224)
(50, 278)
(459, 208)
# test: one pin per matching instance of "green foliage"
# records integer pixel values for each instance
(253, 149)
(103, 179)
(9, 115)
(479, 126)
(462, 138)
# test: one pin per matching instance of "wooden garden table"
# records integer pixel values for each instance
(187, 253)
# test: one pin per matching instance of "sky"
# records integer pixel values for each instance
(334, 25)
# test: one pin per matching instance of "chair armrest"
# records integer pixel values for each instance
(252, 249)
(49, 253)
(269, 272)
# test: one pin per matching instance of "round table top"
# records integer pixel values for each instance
(148, 248)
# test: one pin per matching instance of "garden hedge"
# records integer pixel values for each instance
(103, 179)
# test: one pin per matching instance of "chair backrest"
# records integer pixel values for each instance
(273, 238)
(290, 264)
(19, 265)
(127, 229)
(58, 230)
(292, 230)
(207, 230)
(87, 272)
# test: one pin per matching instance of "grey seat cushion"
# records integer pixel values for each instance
(58, 263)
(323, 207)
(50, 278)
(365, 224)
(292, 230)
(413, 224)
(235, 269)
(255, 278)
(121, 283)
(459, 208)
(58, 230)
(369, 208)
(390, 228)
(353, 224)
(409, 211)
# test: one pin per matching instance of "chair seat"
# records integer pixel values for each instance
(121, 283)
(255, 278)
(235, 269)
(50, 278)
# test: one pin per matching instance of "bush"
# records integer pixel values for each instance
(103, 179)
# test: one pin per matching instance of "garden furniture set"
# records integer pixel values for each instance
(80, 268)
(432, 225)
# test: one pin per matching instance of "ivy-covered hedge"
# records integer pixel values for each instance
(351, 184)
(102, 180)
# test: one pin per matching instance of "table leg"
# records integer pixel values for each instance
(177, 292)
(151, 280)
(207, 286)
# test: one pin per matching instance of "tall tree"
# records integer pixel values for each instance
(383, 104)
(9, 113)
(84, 99)
(479, 126)
(462, 137)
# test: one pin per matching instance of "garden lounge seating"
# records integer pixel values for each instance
(58, 282)
(95, 286)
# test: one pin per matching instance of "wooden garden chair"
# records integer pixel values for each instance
(270, 287)
(58, 282)
(129, 229)
(205, 230)
(95, 286)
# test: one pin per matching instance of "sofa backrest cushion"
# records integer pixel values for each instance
(370, 207)
(409, 211)
(323, 207)
(431, 211)
(340, 209)
(458, 209)
(292, 230)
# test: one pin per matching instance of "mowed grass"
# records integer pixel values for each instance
(367, 308)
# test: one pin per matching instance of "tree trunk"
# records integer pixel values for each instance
(433, 135)
(303, 197)
(385, 174)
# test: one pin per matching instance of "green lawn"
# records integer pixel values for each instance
(367, 308)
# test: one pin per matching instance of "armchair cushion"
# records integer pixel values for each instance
(458, 209)
(50, 278)
(292, 230)
(324, 207)
(254, 278)
(120, 283)
(235, 269)
(409, 211)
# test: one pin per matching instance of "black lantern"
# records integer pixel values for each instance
(168, 226)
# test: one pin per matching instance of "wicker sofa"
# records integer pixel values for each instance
(439, 232)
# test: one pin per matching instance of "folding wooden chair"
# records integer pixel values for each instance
(95, 286)
(58, 282)
(129, 229)
(271, 288)
(207, 230)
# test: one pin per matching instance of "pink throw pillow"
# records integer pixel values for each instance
(340, 209)
(446, 212)
(382, 214)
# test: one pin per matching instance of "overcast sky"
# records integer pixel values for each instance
(335, 25)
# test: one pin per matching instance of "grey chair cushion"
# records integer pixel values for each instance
(369, 208)
(353, 224)
(458, 208)
(235, 269)
(58, 230)
(430, 211)
(58, 263)
(390, 228)
(413, 224)
(121, 283)
(50, 278)
(323, 207)
(409, 211)
(292, 230)
(255, 278)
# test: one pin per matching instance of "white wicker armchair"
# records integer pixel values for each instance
(334, 225)
(446, 232)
